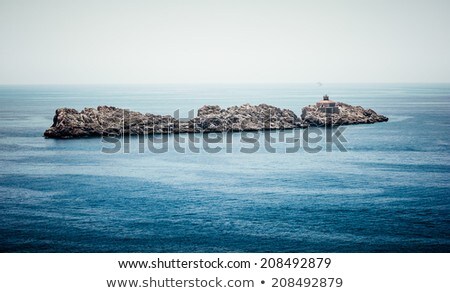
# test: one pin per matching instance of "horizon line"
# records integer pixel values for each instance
(318, 83)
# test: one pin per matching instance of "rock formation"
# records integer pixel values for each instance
(346, 115)
(244, 118)
(112, 121)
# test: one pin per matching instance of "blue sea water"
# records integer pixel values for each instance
(389, 192)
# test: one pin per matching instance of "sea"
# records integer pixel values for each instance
(381, 187)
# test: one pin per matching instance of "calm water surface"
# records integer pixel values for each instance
(388, 193)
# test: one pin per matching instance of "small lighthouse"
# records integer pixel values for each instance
(327, 105)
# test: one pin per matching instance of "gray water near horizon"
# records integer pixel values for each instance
(388, 193)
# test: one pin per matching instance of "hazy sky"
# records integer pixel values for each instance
(225, 41)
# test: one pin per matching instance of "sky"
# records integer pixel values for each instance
(207, 41)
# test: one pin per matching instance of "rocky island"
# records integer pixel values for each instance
(112, 121)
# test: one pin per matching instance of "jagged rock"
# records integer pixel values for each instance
(346, 115)
(112, 121)
(244, 118)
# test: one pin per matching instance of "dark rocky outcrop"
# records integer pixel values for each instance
(105, 120)
(346, 115)
(244, 118)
